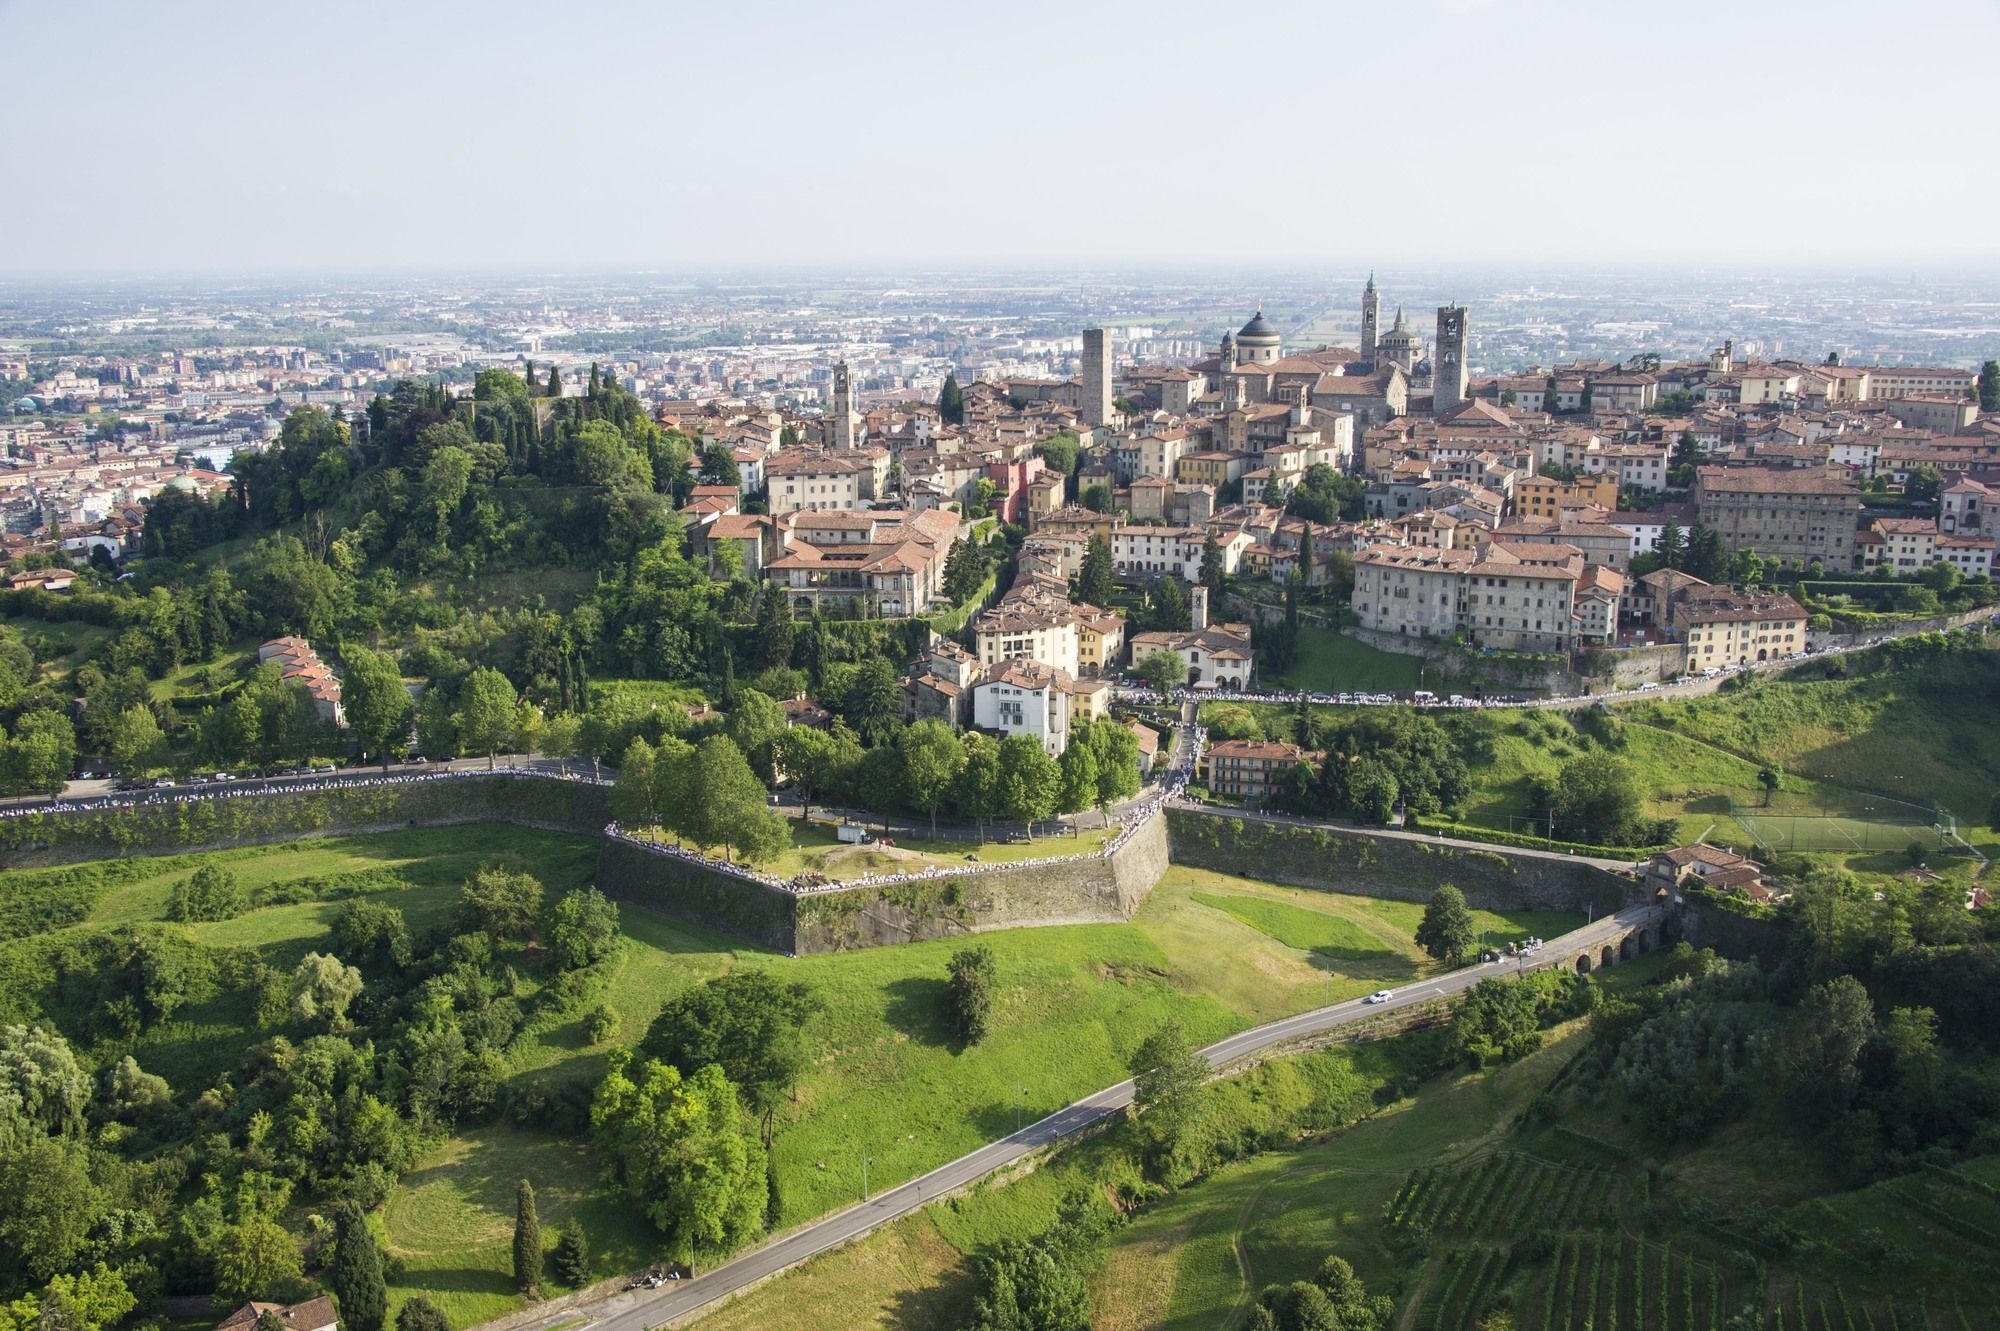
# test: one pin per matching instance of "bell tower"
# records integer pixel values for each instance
(1448, 373)
(1371, 313)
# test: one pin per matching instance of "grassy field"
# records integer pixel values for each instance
(1330, 662)
(1916, 735)
(60, 645)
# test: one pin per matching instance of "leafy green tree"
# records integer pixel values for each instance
(951, 401)
(585, 929)
(500, 902)
(138, 746)
(755, 724)
(1167, 1077)
(1167, 605)
(681, 1147)
(1077, 772)
(755, 1027)
(254, 1259)
(1029, 1286)
(1767, 777)
(43, 1089)
(48, 1204)
(209, 893)
(874, 702)
(776, 632)
(931, 757)
(976, 791)
(323, 987)
(1062, 452)
(1094, 579)
(1117, 752)
(811, 759)
(41, 755)
(719, 468)
(1163, 671)
(969, 993)
(1097, 497)
(1498, 1020)
(727, 805)
(1030, 783)
(527, 1242)
(572, 1259)
(1816, 1056)
(85, 1301)
(420, 1314)
(1446, 931)
(1594, 798)
(376, 703)
(965, 570)
(1989, 386)
(373, 933)
(485, 713)
(1706, 558)
(357, 1272)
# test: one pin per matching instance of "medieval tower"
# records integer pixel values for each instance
(842, 434)
(1371, 312)
(1448, 372)
(1096, 377)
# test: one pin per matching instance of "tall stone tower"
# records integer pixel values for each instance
(842, 434)
(1448, 372)
(1371, 313)
(1096, 377)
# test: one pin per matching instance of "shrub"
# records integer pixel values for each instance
(210, 893)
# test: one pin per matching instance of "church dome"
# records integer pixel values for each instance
(1259, 331)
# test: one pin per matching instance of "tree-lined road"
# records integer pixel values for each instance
(638, 1310)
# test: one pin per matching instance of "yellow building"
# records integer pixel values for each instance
(1736, 629)
(1545, 497)
(1100, 640)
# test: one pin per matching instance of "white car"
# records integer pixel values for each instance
(1380, 996)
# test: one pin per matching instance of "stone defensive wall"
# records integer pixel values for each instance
(1061, 887)
(1333, 859)
(248, 814)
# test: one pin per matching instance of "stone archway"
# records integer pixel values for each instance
(1607, 956)
(1583, 964)
(1625, 946)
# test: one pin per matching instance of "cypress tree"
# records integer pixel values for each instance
(357, 1271)
(527, 1242)
(555, 382)
(595, 385)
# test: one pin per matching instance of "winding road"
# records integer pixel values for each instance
(639, 1310)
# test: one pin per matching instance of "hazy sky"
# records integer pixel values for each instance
(216, 136)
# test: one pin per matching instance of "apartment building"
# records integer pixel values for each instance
(1724, 627)
(1544, 496)
(1249, 769)
(1509, 596)
(1793, 513)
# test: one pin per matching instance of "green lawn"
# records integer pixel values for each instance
(1330, 662)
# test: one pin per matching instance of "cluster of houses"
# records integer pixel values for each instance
(299, 664)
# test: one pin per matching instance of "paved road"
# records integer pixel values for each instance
(638, 1310)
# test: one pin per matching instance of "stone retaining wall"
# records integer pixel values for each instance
(1333, 859)
(292, 813)
(699, 895)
